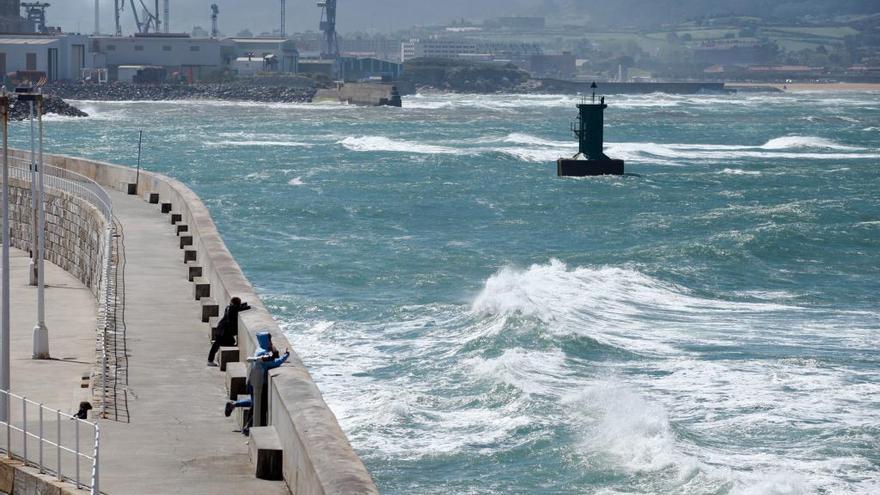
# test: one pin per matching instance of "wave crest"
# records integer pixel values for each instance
(381, 143)
(801, 142)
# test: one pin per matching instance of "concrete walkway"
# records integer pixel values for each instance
(177, 440)
(70, 317)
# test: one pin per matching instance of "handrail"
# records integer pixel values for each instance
(20, 452)
(65, 180)
(90, 191)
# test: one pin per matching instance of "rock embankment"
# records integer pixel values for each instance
(51, 105)
(231, 91)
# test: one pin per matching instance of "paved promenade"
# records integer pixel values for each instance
(70, 317)
(177, 440)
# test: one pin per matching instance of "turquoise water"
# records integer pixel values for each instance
(481, 326)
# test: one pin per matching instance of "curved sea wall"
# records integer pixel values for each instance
(318, 458)
(75, 231)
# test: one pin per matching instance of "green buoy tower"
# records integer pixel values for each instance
(590, 159)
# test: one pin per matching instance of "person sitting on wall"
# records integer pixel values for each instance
(265, 358)
(227, 328)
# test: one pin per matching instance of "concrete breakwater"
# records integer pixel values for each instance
(317, 457)
(231, 91)
(365, 94)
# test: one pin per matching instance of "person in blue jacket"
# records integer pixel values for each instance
(264, 359)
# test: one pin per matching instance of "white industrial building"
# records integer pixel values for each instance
(59, 57)
(189, 58)
(279, 54)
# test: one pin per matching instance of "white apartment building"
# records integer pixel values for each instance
(437, 48)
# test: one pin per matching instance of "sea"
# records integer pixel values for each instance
(706, 324)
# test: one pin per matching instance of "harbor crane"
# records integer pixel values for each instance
(283, 31)
(36, 15)
(215, 11)
(148, 20)
(328, 27)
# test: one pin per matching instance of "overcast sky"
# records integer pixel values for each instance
(302, 15)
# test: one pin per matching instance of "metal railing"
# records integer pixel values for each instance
(90, 191)
(71, 182)
(84, 188)
(53, 455)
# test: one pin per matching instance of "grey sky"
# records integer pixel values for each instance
(260, 15)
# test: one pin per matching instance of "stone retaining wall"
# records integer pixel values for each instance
(75, 231)
(318, 458)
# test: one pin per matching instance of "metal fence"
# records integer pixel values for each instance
(52, 441)
(20, 430)
(70, 182)
(90, 191)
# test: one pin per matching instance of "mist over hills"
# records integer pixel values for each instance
(392, 15)
(652, 12)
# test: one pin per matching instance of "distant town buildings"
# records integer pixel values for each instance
(437, 48)
(30, 48)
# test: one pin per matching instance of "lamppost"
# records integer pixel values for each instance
(23, 93)
(41, 333)
(4, 319)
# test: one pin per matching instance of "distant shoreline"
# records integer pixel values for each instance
(799, 87)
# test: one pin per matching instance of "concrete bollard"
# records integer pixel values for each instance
(165, 207)
(265, 452)
(192, 271)
(209, 308)
(186, 240)
(152, 198)
(227, 355)
(189, 255)
(236, 376)
(213, 331)
(201, 288)
(181, 228)
(175, 218)
(242, 414)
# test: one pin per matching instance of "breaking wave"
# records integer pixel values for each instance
(534, 149)
(283, 144)
(380, 143)
(799, 142)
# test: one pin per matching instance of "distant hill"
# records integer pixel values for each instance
(653, 12)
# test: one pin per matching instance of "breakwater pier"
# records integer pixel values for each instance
(158, 407)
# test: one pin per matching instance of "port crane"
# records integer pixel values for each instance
(215, 11)
(328, 27)
(36, 15)
(148, 20)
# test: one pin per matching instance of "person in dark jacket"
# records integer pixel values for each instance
(227, 328)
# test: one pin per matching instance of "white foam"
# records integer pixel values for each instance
(800, 142)
(283, 144)
(621, 428)
(615, 306)
(774, 484)
(296, 181)
(736, 171)
(533, 372)
(520, 138)
(381, 143)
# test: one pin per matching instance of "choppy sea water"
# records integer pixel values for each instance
(480, 326)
